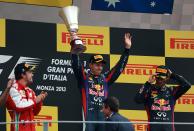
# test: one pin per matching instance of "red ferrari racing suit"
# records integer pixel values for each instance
(22, 107)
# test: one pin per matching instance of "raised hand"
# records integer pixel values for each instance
(128, 42)
(152, 79)
(41, 97)
(10, 83)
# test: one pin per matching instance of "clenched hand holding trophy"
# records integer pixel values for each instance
(69, 15)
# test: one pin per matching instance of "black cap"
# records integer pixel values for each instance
(97, 59)
(162, 71)
(22, 68)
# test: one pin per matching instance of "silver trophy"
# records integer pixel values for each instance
(69, 15)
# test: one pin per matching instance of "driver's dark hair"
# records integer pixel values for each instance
(112, 103)
(18, 76)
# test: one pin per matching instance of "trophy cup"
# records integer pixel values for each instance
(69, 15)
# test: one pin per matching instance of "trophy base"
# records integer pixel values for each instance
(77, 48)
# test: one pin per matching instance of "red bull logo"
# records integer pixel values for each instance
(182, 44)
(98, 87)
(96, 93)
(161, 102)
(139, 69)
(187, 99)
(43, 118)
(87, 39)
(161, 105)
(161, 108)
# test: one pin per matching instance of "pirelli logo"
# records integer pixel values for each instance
(187, 99)
(179, 44)
(95, 38)
(139, 69)
(136, 116)
(139, 127)
(87, 39)
(182, 44)
(186, 102)
(47, 113)
(43, 118)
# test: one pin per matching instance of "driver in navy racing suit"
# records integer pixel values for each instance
(94, 84)
(160, 99)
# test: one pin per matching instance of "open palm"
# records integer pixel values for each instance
(128, 40)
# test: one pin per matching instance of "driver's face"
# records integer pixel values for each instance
(29, 77)
(96, 68)
(161, 81)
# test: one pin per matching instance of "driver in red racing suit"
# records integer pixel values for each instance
(22, 103)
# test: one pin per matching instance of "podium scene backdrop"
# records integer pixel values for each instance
(46, 46)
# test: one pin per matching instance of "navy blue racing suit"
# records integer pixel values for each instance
(160, 102)
(94, 89)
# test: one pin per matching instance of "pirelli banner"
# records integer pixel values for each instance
(47, 47)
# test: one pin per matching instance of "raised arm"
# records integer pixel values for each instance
(78, 68)
(183, 86)
(115, 72)
(5, 94)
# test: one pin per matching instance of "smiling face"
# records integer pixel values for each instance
(96, 68)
